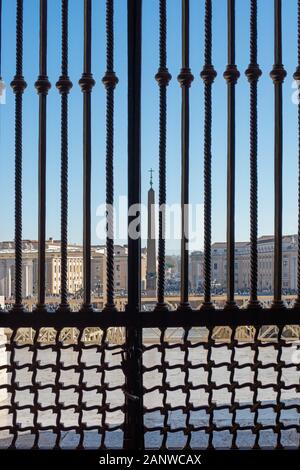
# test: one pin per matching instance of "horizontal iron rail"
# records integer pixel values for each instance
(193, 318)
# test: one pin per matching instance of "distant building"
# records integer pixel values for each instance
(74, 269)
(120, 268)
(53, 271)
(98, 270)
(196, 270)
(219, 264)
(121, 274)
(242, 265)
(7, 272)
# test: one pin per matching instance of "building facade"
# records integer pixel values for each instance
(7, 272)
(53, 272)
(74, 269)
(242, 265)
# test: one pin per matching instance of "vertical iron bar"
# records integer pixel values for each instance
(297, 78)
(253, 73)
(133, 436)
(231, 76)
(110, 81)
(42, 86)
(185, 79)
(64, 86)
(278, 75)
(86, 83)
(208, 76)
(18, 85)
(163, 78)
(0, 40)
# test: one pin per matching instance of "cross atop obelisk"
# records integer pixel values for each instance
(151, 171)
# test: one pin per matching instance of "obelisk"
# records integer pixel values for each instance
(151, 245)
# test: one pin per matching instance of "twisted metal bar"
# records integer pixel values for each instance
(231, 75)
(110, 81)
(297, 78)
(18, 85)
(253, 73)
(86, 83)
(278, 75)
(185, 79)
(163, 78)
(64, 86)
(42, 86)
(208, 76)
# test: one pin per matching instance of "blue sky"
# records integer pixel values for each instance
(149, 114)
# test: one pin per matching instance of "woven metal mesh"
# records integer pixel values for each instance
(203, 388)
(221, 388)
(62, 389)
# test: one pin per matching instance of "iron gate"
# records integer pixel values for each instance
(115, 403)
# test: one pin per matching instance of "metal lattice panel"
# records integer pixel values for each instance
(66, 394)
